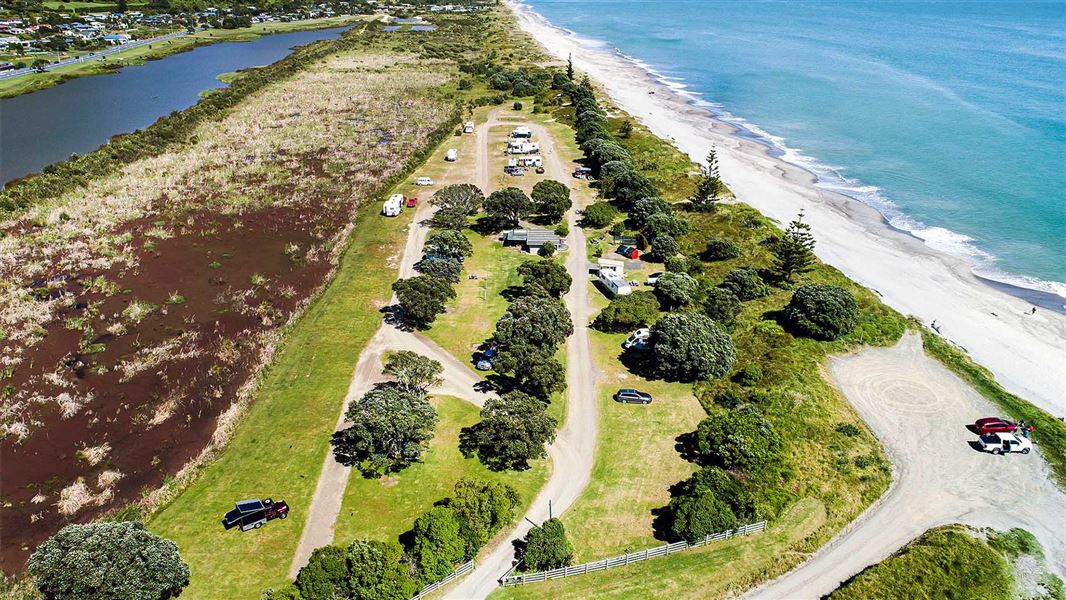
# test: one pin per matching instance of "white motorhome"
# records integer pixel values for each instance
(469, 127)
(530, 161)
(452, 156)
(393, 206)
(522, 132)
(614, 283)
(520, 147)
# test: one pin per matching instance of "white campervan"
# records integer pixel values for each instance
(614, 283)
(452, 155)
(393, 206)
(469, 127)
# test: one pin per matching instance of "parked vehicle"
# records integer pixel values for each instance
(1003, 443)
(654, 278)
(540, 170)
(469, 127)
(582, 173)
(452, 155)
(615, 284)
(638, 340)
(393, 206)
(423, 181)
(253, 514)
(632, 396)
(412, 202)
(628, 252)
(994, 425)
(483, 364)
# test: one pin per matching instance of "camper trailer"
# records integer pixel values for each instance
(518, 147)
(530, 161)
(393, 206)
(522, 133)
(452, 156)
(614, 283)
(469, 127)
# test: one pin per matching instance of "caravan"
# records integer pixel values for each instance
(614, 283)
(522, 133)
(452, 155)
(521, 147)
(393, 206)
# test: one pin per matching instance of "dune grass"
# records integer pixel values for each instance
(382, 509)
(280, 445)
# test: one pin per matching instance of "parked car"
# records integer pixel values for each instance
(253, 514)
(654, 278)
(483, 364)
(540, 170)
(632, 396)
(412, 202)
(1003, 443)
(452, 155)
(994, 425)
(623, 250)
(638, 340)
(582, 172)
(423, 181)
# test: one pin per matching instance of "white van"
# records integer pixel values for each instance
(423, 181)
(452, 155)
(614, 283)
(469, 127)
(393, 206)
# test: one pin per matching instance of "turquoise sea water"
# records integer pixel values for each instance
(949, 117)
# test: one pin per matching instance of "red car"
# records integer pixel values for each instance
(412, 202)
(994, 425)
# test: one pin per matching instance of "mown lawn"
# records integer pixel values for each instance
(279, 447)
(710, 571)
(382, 509)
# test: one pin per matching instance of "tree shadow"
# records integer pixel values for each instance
(513, 292)
(687, 445)
(488, 225)
(394, 315)
(639, 362)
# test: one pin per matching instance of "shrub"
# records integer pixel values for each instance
(722, 306)
(598, 214)
(517, 105)
(676, 289)
(665, 223)
(740, 438)
(746, 284)
(375, 571)
(689, 346)
(625, 313)
(123, 561)
(665, 247)
(749, 375)
(437, 544)
(698, 515)
(547, 547)
(848, 429)
(483, 509)
(824, 312)
(721, 249)
(644, 208)
(562, 229)
(325, 576)
(548, 250)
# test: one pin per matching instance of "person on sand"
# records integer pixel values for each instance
(1033, 312)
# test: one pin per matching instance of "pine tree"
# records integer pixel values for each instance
(570, 67)
(794, 251)
(710, 186)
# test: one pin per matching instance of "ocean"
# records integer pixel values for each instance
(948, 117)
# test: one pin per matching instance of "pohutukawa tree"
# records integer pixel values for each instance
(465, 198)
(551, 198)
(416, 372)
(545, 277)
(391, 426)
(689, 346)
(513, 431)
(509, 206)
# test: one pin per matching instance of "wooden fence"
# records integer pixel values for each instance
(626, 559)
(462, 570)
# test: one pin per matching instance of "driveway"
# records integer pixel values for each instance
(919, 410)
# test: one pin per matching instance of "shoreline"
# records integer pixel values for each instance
(1023, 350)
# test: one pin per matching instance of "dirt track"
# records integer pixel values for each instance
(574, 449)
(920, 410)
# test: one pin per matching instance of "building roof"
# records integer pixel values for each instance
(533, 237)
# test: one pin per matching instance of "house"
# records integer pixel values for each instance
(117, 38)
(393, 206)
(614, 283)
(10, 41)
(532, 240)
(610, 264)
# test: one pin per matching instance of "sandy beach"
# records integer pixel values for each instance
(1026, 352)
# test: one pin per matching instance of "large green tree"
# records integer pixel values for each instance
(700, 514)
(513, 431)
(416, 372)
(739, 438)
(449, 244)
(391, 425)
(463, 198)
(437, 544)
(377, 573)
(676, 290)
(509, 206)
(534, 320)
(422, 298)
(664, 223)
(546, 277)
(710, 186)
(108, 560)
(445, 269)
(625, 313)
(689, 346)
(645, 208)
(552, 199)
(825, 312)
(746, 284)
(325, 576)
(722, 306)
(547, 547)
(483, 508)
(794, 251)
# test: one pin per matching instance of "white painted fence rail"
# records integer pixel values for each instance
(462, 570)
(632, 557)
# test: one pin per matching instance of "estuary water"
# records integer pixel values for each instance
(948, 116)
(47, 126)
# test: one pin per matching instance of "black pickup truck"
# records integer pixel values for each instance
(252, 514)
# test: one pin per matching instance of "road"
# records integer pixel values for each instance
(919, 410)
(95, 56)
(458, 381)
(574, 448)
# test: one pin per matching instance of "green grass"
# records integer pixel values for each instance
(1048, 432)
(382, 509)
(946, 562)
(279, 447)
(710, 571)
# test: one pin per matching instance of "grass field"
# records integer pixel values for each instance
(382, 509)
(134, 56)
(302, 389)
(710, 571)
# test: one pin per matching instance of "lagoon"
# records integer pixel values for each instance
(47, 126)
